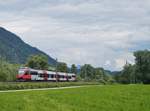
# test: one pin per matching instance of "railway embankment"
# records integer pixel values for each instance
(36, 85)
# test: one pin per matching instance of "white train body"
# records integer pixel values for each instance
(26, 74)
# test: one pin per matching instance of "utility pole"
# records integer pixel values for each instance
(85, 71)
(56, 70)
(0, 62)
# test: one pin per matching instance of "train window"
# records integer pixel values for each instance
(61, 76)
(33, 73)
(21, 72)
(41, 75)
(69, 77)
(52, 76)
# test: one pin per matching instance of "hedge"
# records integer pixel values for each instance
(35, 85)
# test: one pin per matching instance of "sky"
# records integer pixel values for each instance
(104, 33)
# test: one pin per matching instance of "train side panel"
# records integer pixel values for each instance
(27, 74)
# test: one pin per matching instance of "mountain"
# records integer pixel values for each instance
(112, 72)
(15, 50)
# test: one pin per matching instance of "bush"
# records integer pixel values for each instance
(8, 71)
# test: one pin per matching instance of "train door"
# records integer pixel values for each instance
(45, 75)
(57, 77)
(34, 75)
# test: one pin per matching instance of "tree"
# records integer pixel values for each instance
(87, 72)
(143, 66)
(62, 67)
(37, 62)
(74, 69)
(128, 74)
(99, 74)
(138, 73)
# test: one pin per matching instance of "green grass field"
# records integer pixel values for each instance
(91, 98)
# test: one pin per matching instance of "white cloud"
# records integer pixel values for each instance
(107, 63)
(120, 63)
(6, 2)
(123, 58)
(103, 33)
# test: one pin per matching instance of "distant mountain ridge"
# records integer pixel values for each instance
(113, 73)
(15, 50)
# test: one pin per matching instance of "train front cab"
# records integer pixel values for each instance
(23, 75)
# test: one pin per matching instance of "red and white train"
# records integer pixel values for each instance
(28, 74)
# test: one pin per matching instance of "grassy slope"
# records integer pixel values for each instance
(93, 98)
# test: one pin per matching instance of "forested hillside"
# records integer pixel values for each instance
(15, 50)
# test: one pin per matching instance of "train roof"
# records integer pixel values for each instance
(49, 72)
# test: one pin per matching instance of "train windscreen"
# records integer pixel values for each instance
(21, 72)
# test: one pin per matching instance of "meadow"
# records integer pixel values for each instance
(89, 98)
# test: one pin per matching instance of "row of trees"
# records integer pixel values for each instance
(62, 67)
(137, 73)
(89, 73)
(86, 73)
(41, 62)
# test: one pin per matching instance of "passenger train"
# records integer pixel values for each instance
(28, 74)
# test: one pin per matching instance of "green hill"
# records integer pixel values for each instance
(15, 50)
